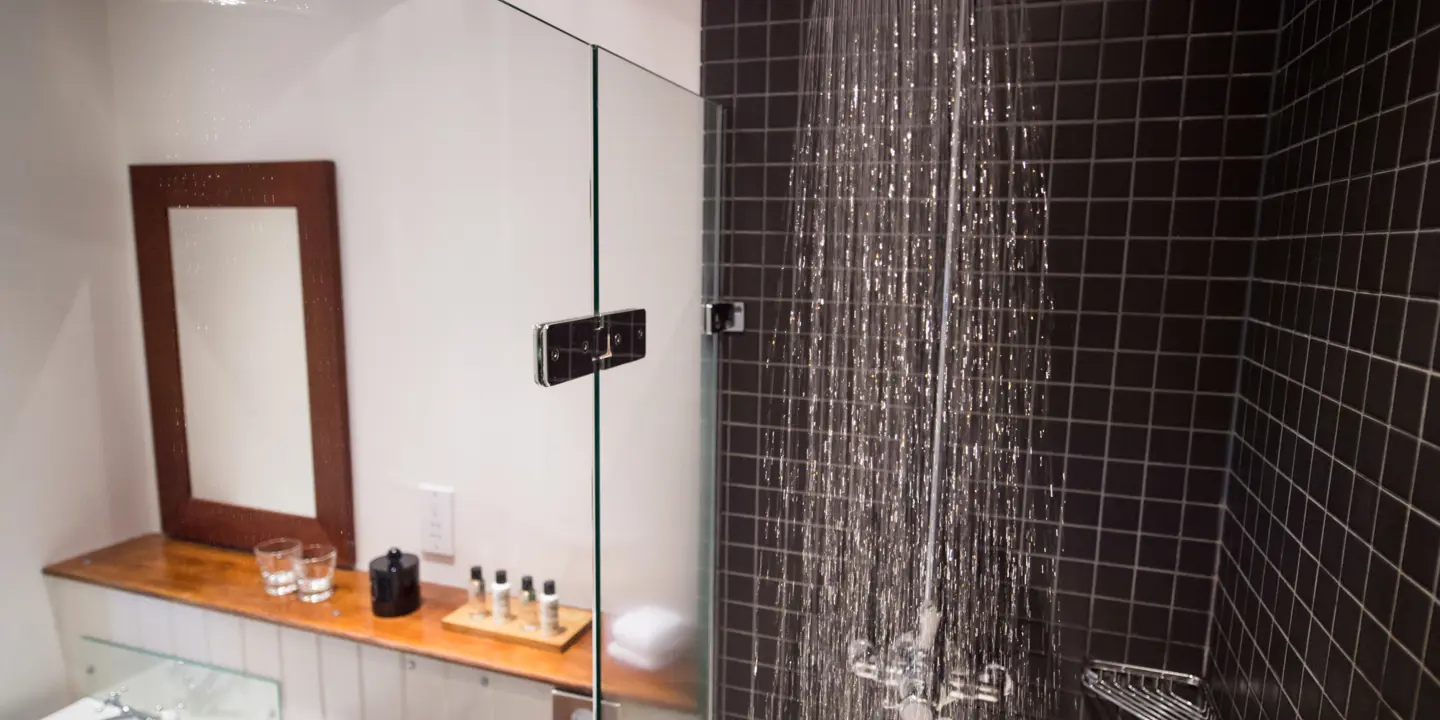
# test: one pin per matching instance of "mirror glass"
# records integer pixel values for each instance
(241, 323)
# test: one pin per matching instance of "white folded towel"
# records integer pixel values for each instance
(649, 638)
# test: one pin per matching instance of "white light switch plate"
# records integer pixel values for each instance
(437, 519)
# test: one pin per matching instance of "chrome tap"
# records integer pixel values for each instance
(904, 670)
(113, 701)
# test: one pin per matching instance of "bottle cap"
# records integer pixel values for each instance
(527, 583)
(477, 573)
(501, 577)
(549, 587)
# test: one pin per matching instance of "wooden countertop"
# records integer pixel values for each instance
(227, 581)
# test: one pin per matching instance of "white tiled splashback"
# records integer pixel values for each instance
(321, 677)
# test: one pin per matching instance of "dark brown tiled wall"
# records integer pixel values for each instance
(1156, 113)
(1332, 534)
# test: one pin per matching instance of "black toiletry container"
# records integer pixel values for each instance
(394, 584)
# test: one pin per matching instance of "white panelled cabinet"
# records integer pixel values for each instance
(321, 677)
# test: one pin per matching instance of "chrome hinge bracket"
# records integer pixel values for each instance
(724, 317)
(566, 350)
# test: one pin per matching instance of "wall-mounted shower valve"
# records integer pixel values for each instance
(991, 684)
(904, 670)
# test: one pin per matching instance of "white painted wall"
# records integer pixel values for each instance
(74, 432)
(461, 133)
(462, 143)
(662, 36)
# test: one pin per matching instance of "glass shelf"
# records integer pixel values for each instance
(158, 686)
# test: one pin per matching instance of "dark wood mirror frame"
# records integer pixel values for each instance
(309, 187)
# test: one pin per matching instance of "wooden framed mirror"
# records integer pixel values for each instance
(239, 268)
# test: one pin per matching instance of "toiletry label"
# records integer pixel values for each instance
(549, 617)
(500, 608)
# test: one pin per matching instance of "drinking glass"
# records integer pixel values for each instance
(315, 569)
(277, 559)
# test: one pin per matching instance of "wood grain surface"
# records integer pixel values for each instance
(227, 581)
(574, 624)
(309, 187)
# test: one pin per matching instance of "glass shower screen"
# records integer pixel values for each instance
(656, 158)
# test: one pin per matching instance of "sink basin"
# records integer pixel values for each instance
(85, 709)
(166, 687)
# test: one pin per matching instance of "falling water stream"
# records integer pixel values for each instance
(909, 369)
